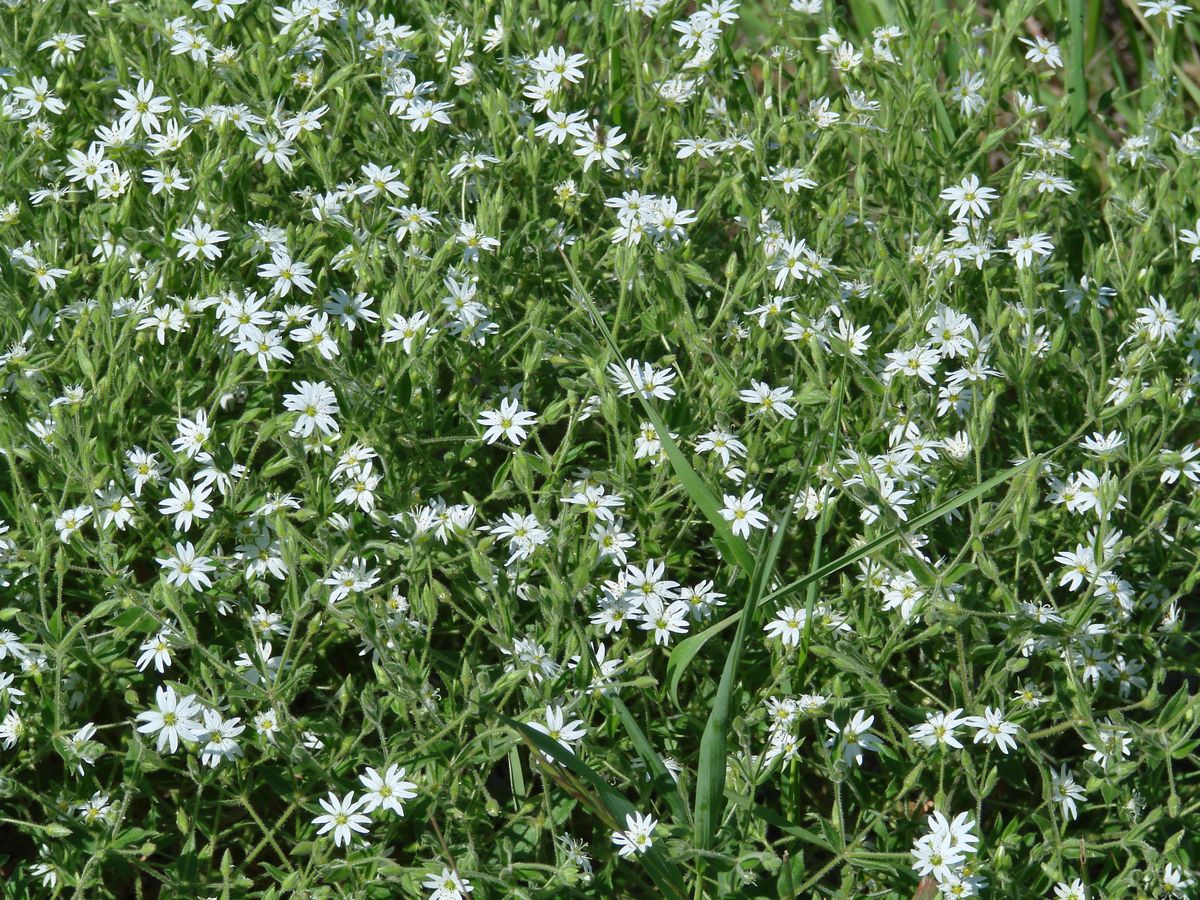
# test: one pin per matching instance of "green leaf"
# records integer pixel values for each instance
(514, 770)
(914, 524)
(652, 760)
(710, 775)
(663, 872)
(685, 651)
(1077, 86)
(870, 547)
(731, 546)
(85, 363)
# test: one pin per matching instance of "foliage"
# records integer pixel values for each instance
(545, 449)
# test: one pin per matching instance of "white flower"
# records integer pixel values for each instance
(934, 856)
(554, 67)
(1103, 444)
(743, 513)
(142, 107)
(406, 330)
(342, 817)
(96, 808)
(71, 521)
(1025, 247)
(156, 650)
(1175, 881)
(316, 404)
(1168, 9)
(422, 112)
(915, 362)
(10, 643)
(1076, 890)
(650, 382)
(11, 730)
(764, 398)
(218, 737)
(288, 273)
(447, 886)
(636, 838)
(174, 719)
(186, 568)
(599, 144)
(316, 333)
(1111, 745)
(722, 443)
(855, 737)
(968, 199)
(1158, 320)
(566, 734)
(993, 729)
(13, 694)
(1066, 792)
(938, 728)
(665, 619)
(788, 625)
(957, 833)
(1191, 237)
(1042, 50)
(508, 422)
(200, 239)
(386, 791)
(186, 504)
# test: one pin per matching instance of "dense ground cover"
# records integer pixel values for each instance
(631, 449)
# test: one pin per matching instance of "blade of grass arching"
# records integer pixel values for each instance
(870, 547)
(609, 803)
(732, 547)
(653, 761)
(786, 886)
(1077, 87)
(711, 771)
(822, 526)
(685, 651)
(1093, 26)
(1137, 42)
(1130, 9)
(943, 121)
(1188, 83)
(915, 523)
(811, 600)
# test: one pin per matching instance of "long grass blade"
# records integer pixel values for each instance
(608, 803)
(685, 651)
(711, 770)
(1077, 87)
(732, 547)
(654, 762)
(696, 642)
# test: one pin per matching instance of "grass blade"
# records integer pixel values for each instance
(916, 522)
(653, 761)
(710, 775)
(685, 651)
(696, 642)
(732, 547)
(1077, 87)
(609, 803)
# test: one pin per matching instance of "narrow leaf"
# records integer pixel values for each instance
(653, 761)
(663, 872)
(1077, 86)
(685, 651)
(696, 642)
(732, 547)
(710, 775)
